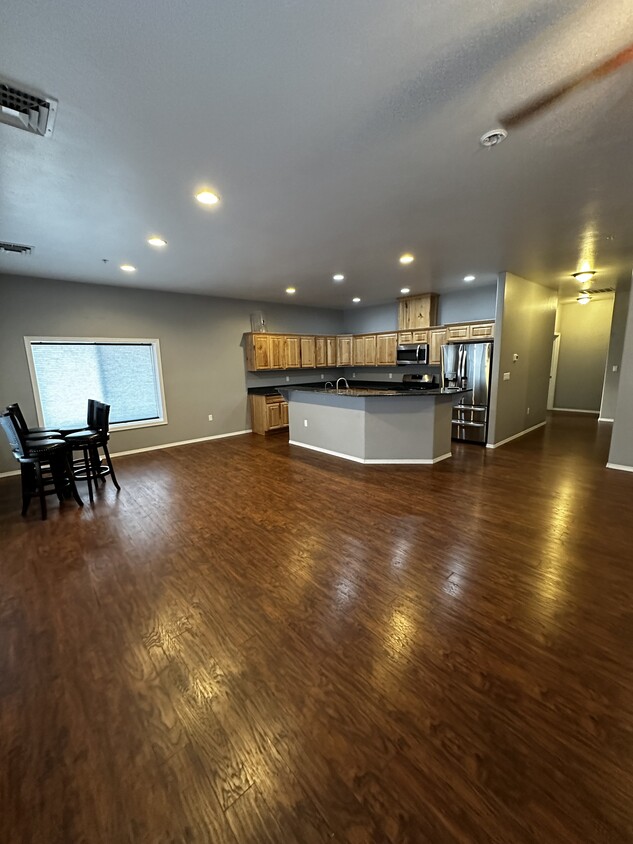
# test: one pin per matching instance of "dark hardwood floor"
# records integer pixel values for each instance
(256, 643)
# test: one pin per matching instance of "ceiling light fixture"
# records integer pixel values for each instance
(585, 275)
(156, 241)
(207, 197)
(407, 258)
(338, 277)
(493, 137)
(128, 268)
(291, 290)
(406, 290)
(356, 300)
(584, 297)
(469, 278)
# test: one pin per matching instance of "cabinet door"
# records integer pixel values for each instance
(292, 353)
(273, 415)
(261, 346)
(370, 350)
(331, 350)
(458, 332)
(276, 348)
(417, 311)
(386, 349)
(344, 350)
(359, 351)
(405, 337)
(320, 351)
(477, 332)
(437, 338)
(307, 353)
(284, 412)
(420, 336)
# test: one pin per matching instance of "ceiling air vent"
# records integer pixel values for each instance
(27, 111)
(15, 248)
(595, 290)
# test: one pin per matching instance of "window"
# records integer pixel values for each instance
(125, 374)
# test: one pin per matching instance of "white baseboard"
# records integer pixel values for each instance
(605, 419)
(182, 442)
(370, 461)
(621, 467)
(516, 436)
(574, 410)
(157, 447)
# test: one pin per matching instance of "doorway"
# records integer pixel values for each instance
(552, 372)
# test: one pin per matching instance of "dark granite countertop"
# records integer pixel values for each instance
(368, 390)
(354, 383)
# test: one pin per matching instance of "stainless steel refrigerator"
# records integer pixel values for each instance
(467, 365)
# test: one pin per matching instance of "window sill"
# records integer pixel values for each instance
(130, 426)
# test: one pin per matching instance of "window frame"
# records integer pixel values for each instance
(93, 341)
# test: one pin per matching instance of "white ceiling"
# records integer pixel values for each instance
(339, 135)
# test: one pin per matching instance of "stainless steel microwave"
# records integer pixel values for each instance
(412, 354)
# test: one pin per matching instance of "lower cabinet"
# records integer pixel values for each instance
(268, 413)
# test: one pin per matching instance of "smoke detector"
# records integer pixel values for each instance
(493, 137)
(15, 248)
(27, 110)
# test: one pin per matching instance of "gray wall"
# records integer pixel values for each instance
(200, 340)
(466, 305)
(525, 318)
(584, 342)
(621, 453)
(614, 357)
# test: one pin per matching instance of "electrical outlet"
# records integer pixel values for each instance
(391, 375)
(322, 376)
(210, 417)
(506, 376)
(614, 368)
(528, 411)
(305, 423)
(353, 375)
(287, 378)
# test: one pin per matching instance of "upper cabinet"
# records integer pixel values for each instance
(308, 356)
(417, 311)
(344, 350)
(330, 346)
(386, 349)
(292, 351)
(320, 351)
(437, 338)
(470, 331)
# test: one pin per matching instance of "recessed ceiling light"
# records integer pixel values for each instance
(493, 137)
(291, 290)
(407, 258)
(469, 278)
(584, 297)
(156, 241)
(128, 268)
(356, 300)
(207, 197)
(585, 275)
(406, 290)
(338, 277)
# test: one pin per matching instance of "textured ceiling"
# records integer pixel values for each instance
(339, 135)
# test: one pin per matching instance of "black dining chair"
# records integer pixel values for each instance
(89, 466)
(45, 466)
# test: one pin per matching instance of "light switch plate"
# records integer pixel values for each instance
(506, 376)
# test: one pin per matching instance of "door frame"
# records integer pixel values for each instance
(553, 371)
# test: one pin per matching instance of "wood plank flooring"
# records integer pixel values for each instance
(255, 643)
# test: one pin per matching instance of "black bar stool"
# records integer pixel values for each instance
(24, 430)
(45, 466)
(89, 466)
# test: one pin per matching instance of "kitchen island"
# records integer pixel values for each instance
(372, 425)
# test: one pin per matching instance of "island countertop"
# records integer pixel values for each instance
(367, 391)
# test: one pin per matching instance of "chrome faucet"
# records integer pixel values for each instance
(326, 383)
(344, 380)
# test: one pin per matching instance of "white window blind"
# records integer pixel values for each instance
(123, 374)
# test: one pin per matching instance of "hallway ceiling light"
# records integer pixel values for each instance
(407, 258)
(207, 197)
(406, 290)
(338, 277)
(356, 300)
(291, 290)
(469, 278)
(128, 268)
(584, 297)
(585, 275)
(156, 241)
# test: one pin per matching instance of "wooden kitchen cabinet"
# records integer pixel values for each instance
(320, 351)
(358, 357)
(457, 333)
(417, 312)
(386, 349)
(370, 350)
(437, 338)
(292, 352)
(308, 359)
(330, 344)
(264, 351)
(344, 350)
(268, 413)
(482, 330)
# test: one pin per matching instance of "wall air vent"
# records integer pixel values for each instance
(15, 248)
(27, 111)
